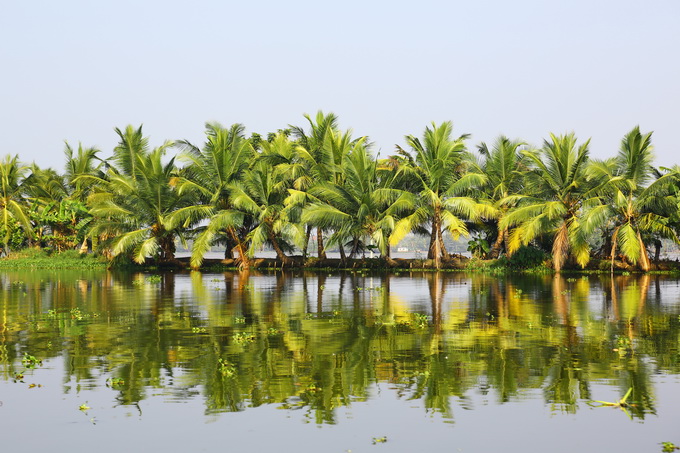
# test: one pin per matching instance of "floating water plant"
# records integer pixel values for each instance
(115, 382)
(243, 337)
(669, 447)
(621, 404)
(30, 361)
(379, 440)
(421, 319)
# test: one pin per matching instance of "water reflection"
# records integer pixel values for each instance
(315, 342)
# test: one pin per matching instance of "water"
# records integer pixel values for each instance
(310, 362)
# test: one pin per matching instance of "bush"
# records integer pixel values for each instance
(527, 257)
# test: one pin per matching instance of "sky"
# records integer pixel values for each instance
(75, 70)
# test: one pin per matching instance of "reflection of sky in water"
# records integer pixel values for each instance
(46, 419)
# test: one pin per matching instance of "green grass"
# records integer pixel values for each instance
(41, 259)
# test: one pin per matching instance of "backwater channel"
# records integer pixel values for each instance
(338, 362)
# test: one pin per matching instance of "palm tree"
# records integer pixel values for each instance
(79, 163)
(261, 193)
(436, 174)
(504, 166)
(211, 173)
(559, 176)
(358, 207)
(319, 149)
(132, 144)
(13, 206)
(142, 213)
(631, 205)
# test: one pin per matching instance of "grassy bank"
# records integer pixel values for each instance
(520, 263)
(42, 259)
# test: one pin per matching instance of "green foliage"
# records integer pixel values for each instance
(247, 193)
(527, 257)
(421, 320)
(62, 224)
(478, 247)
(15, 236)
(562, 192)
(115, 382)
(30, 361)
(155, 279)
(669, 447)
(243, 338)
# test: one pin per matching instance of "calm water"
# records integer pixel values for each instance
(329, 362)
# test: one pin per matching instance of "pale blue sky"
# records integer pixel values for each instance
(74, 70)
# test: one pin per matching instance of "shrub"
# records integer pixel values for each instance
(527, 257)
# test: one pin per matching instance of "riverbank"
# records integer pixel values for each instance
(41, 259)
(71, 259)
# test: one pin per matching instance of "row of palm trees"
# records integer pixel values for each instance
(244, 192)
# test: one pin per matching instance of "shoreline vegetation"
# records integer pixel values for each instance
(316, 187)
(43, 259)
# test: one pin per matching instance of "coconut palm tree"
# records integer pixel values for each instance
(504, 165)
(13, 203)
(79, 163)
(357, 208)
(211, 172)
(132, 144)
(321, 151)
(634, 202)
(142, 213)
(435, 172)
(260, 194)
(563, 191)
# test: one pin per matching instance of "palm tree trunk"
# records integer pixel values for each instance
(343, 257)
(355, 247)
(277, 248)
(435, 251)
(506, 243)
(498, 244)
(560, 247)
(243, 259)
(442, 247)
(644, 257)
(308, 233)
(657, 250)
(431, 247)
(387, 256)
(167, 244)
(614, 240)
(229, 249)
(321, 253)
